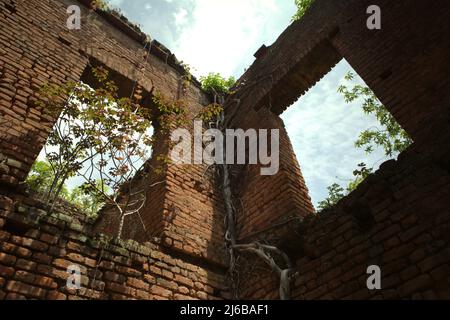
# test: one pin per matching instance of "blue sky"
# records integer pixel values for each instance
(222, 36)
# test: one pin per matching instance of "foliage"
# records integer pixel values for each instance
(302, 7)
(391, 137)
(170, 113)
(97, 135)
(216, 84)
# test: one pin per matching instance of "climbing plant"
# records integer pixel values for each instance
(269, 254)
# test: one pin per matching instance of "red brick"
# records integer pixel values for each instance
(138, 284)
(128, 271)
(157, 290)
(115, 277)
(25, 289)
(75, 258)
(25, 265)
(4, 236)
(7, 259)
(24, 276)
(45, 282)
(30, 243)
(55, 295)
(106, 265)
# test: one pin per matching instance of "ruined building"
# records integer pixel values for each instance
(398, 219)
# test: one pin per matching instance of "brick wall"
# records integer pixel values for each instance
(39, 48)
(397, 219)
(37, 248)
(261, 200)
(405, 63)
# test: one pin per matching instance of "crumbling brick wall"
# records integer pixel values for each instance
(37, 48)
(262, 201)
(397, 219)
(37, 248)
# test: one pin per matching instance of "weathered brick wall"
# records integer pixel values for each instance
(37, 47)
(261, 200)
(405, 63)
(36, 248)
(397, 219)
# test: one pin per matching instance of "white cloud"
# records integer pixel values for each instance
(224, 34)
(116, 3)
(181, 17)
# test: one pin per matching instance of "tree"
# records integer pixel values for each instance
(302, 7)
(105, 140)
(360, 175)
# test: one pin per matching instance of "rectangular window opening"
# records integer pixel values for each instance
(341, 133)
(100, 142)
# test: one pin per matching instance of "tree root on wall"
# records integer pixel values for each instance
(265, 252)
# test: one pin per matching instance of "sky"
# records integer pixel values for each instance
(222, 36)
